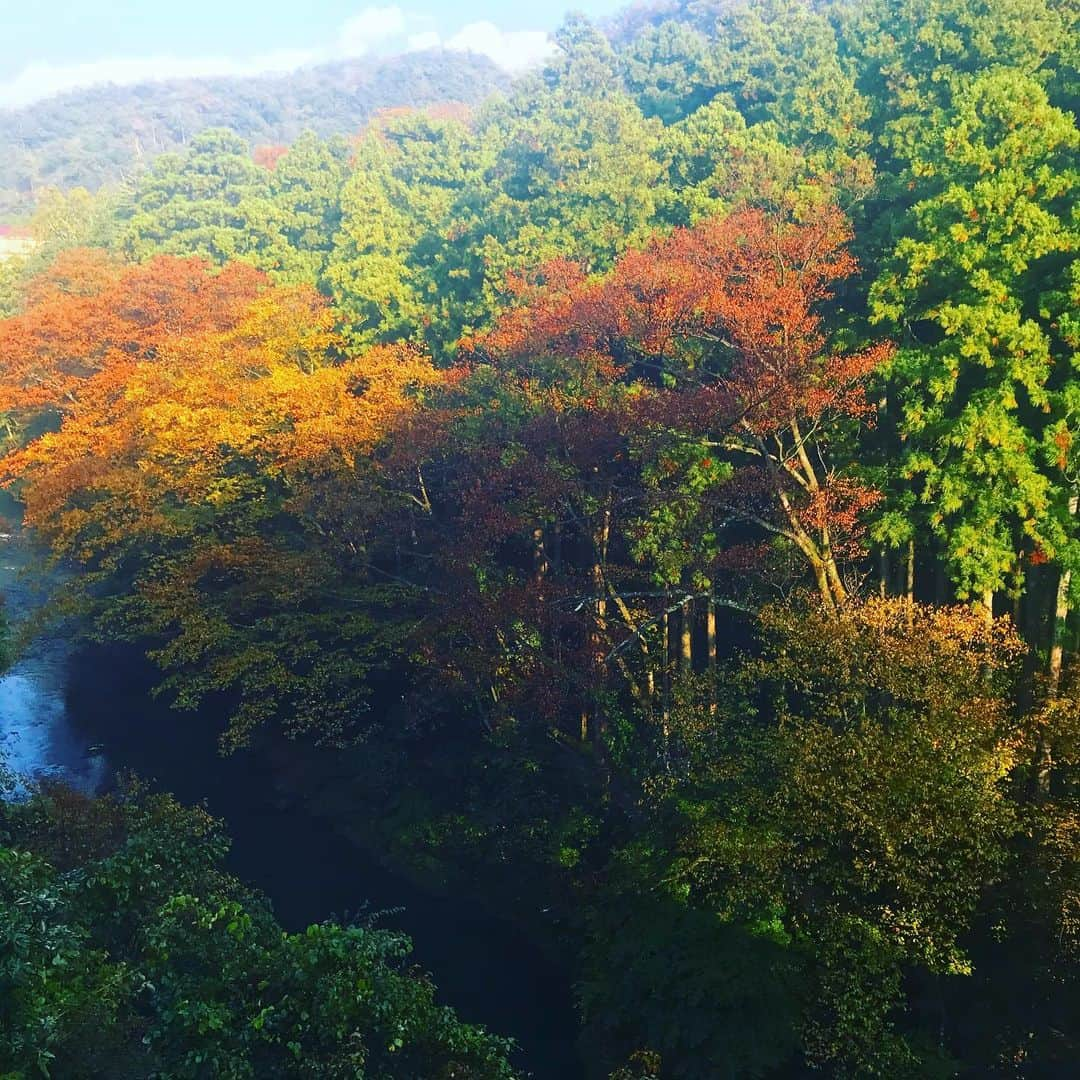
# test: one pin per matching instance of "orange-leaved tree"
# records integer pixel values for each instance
(205, 422)
(89, 316)
(721, 330)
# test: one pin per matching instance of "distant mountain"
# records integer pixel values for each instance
(96, 136)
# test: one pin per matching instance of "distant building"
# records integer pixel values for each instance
(15, 240)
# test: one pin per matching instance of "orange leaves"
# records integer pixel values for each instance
(839, 505)
(267, 157)
(1062, 442)
(841, 385)
(90, 319)
(771, 278)
(718, 332)
(187, 390)
(76, 272)
(551, 316)
(733, 302)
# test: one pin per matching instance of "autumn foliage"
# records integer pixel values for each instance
(166, 376)
(90, 321)
(720, 330)
(553, 462)
(614, 442)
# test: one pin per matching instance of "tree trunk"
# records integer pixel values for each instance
(540, 559)
(1061, 618)
(598, 633)
(986, 604)
(1057, 648)
(686, 638)
(836, 583)
(1044, 761)
(710, 633)
(821, 579)
(665, 677)
(1044, 758)
(909, 585)
(665, 656)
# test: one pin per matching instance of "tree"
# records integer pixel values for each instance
(211, 202)
(401, 267)
(723, 321)
(305, 188)
(981, 354)
(130, 950)
(89, 319)
(210, 426)
(572, 166)
(912, 59)
(849, 788)
(779, 61)
(668, 69)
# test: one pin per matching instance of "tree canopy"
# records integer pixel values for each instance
(654, 489)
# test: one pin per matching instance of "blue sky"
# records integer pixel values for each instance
(51, 45)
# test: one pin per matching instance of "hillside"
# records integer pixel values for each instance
(649, 503)
(94, 136)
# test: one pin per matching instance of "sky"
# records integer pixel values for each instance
(47, 46)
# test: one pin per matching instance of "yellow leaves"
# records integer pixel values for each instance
(291, 326)
(343, 410)
(213, 415)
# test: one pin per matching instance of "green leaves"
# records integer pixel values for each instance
(849, 783)
(142, 957)
(976, 376)
(214, 201)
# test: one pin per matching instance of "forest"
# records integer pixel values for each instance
(106, 135)
(653, 490)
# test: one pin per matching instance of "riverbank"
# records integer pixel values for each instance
(311, 868)
(84, 714)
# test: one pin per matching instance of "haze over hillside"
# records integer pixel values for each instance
(99, 135)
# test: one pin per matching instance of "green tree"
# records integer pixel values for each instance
(964, 286)
(848, 788)
(669, 70)
(12, 276)
(911, 57)
(402, 266)
(572, 166)
(212, 201)
(129, 951)
(69, 219)
(305, 188)
(779, 60)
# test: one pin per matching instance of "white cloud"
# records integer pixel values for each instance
(37, 81)
(374, 26)
(514, 50)
(428, 39)
(378, 30)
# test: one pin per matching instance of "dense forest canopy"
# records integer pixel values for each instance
(656, 486)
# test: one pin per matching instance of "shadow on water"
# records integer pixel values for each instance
(482, 966)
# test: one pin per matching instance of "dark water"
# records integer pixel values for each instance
(84, 716)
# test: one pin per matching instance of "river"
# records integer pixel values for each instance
(84, 716)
